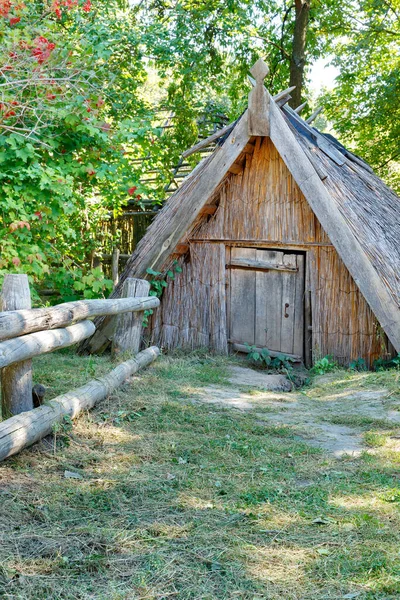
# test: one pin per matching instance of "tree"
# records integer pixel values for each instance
(363, 107)
(71, 116)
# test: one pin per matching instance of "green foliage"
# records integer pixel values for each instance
(358, 365)
(382, 364)
(324, 365)
(158, 285)
(280, 362)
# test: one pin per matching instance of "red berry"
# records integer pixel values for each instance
(132, 190)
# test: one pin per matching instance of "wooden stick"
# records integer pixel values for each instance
(20, 322)
(34, 344)
(27, 428)
(314, 115)
(300, 108)
(16, 380)
(128, 329)
(283, 93)
(212, 138)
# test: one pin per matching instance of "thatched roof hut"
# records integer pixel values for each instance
(286, 240)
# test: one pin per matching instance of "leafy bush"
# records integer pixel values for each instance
(280, 362)
(382, 364)
(358, 365)
(324, 365)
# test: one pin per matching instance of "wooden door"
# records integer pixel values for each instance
(267, 299)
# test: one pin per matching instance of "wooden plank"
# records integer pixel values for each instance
(298, 330)
(307, 313)
(269, 301)
(16, 379)
(42, 342)
(242, 348)
(364, 274)
(242, 310)
(288, 306)
(20, 322)
(128, 329)
(25, 429)
(261, 264)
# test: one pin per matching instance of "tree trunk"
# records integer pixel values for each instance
(298, 57)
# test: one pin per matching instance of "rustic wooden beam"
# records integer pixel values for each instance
(16, 379)
(26, 347)
(258, 120)
(260, 265)
(25, 429)
(21, 322)
(283, 93)
(345, 241)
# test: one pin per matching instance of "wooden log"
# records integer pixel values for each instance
(21, 322)
(25, 429)
(26, 347)
(129, 326)
(16, 379)
(115, 266)
(243, 348)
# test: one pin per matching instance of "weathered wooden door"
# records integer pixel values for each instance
(266, 301)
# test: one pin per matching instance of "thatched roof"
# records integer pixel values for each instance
(359, 213)
(369, 206)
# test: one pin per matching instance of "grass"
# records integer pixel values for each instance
(179, 499)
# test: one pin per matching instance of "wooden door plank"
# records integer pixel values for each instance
(288, 305)
(269, 301)
(243, 292)
(298, 332)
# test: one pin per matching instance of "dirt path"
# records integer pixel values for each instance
(332, 420)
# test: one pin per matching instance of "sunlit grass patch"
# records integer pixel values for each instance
(182, 499)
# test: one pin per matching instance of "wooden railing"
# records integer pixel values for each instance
(26, 333)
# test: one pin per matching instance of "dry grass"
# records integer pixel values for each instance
(189, 501)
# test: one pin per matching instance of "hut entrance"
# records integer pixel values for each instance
(266, 300)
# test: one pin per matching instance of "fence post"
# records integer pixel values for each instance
(128, 327)
(115, 266)
(16, 379)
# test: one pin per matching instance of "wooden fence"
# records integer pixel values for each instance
(27, 332)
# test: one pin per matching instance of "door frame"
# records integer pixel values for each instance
(307, 302)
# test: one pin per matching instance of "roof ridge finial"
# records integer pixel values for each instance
(259, 101)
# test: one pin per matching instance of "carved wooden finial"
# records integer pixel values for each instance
(259, 101)
(259, 70)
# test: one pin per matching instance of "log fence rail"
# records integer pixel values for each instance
(28, 332)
